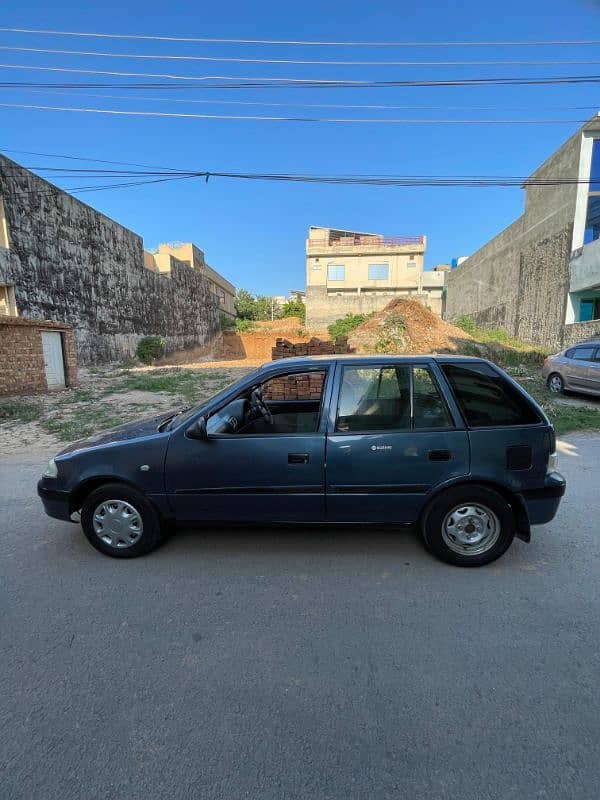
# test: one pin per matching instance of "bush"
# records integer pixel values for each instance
(294, 308)
(467, 324)
(342, 327)
(244, 325)
(150, 348)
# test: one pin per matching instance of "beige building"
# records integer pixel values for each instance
(348, 272)
(188, 253)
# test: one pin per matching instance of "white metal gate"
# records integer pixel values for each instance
(53, 359)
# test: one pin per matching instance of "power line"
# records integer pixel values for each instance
(327, 62)
(380, 107)
(250, 82)
(260, 118)
(214, 40)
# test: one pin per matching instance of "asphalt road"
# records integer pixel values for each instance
(305, 664)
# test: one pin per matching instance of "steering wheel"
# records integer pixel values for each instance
(258, 404)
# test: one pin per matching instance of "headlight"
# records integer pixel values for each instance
(51, 469)
(552, 462)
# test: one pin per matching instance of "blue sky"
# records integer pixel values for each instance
(254, 232)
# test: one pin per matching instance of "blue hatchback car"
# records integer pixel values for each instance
(449, 443)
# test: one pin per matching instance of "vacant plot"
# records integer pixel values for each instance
(104, 399)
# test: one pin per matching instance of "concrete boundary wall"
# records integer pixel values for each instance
(69, 262)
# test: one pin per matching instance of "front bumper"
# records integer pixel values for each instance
(56, 502)
(542, 503)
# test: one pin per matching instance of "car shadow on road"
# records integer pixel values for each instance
(326, 540)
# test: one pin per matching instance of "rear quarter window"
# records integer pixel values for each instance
(488, 399)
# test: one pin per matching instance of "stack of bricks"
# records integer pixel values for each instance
(22, 357)
(315, 347)
(302, 386)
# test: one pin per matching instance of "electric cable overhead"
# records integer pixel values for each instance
(265, 118)
(264, 103)
(253, 82)
(321, 62)
(309, 43)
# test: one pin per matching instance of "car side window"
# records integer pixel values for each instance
(374, 398)
(284, 404)
(596, 358)
(583, 353)
(430, 410)
(488, 399)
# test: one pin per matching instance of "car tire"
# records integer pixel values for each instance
(120, 521)
(468, 526)
(555, 383)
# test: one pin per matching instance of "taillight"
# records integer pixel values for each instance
(545, 361)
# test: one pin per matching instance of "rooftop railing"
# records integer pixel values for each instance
(365, 241)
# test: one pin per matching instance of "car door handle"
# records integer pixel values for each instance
(440, 455)
(297, 458)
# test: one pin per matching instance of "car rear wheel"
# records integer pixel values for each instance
(120, 521)
(556, 383)
(468, 526)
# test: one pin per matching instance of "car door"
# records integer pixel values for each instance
(263, 476)
(392, 437)
(579, 368)
(594, 372)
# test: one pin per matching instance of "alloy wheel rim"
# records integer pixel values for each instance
(471, 529)
(555, 384)
(117, 523)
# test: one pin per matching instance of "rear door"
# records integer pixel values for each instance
(579, 367)
(391, 438)
(594, 372)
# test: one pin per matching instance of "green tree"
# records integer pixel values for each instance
(294, 308)
(245, 304)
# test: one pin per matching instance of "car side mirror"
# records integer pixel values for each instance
(197, 430)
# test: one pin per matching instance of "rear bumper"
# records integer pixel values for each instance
(542, 503)
(55, 501)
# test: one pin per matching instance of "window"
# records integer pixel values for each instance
(411, 262)
(589, 309)
(486, 398)
(592, 224)
(583, 353)
(373, 399)
(293, 401)
(379, 272)
(336, 272)
(429, 408)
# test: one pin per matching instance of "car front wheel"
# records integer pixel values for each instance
(468, 526)
(120, 521)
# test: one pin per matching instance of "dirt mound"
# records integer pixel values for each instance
(406, 326)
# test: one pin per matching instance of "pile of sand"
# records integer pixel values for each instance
(406, 326)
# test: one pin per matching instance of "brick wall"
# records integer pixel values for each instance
(22, 358)
(580, 331)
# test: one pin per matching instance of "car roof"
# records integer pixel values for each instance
(585, 343)
(307, 361)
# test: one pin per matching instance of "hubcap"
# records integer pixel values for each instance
(471, 529)
(117, 523)
(555, 384)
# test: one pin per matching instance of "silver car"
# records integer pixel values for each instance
(576, 369)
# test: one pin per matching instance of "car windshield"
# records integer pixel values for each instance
(187, 413)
